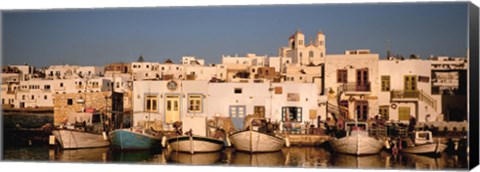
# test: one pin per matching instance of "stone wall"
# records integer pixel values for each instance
(62, 107)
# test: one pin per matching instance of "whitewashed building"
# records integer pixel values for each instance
(352, 81)
(172, 101)
(303, 53)
(405, 90)
(190, 60)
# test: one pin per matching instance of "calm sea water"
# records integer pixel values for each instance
(21, 147)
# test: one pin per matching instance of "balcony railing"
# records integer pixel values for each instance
(355, 87)
(402, 94)
(414, 94)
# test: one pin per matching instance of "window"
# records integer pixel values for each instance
(69, 101)
(300, 42)
(61, 84)
(361, 109)
(259, 110)
(300, 54)
(292, 114)
(385, 83)
(321, 43)
(410, 83)
(151, 103)
(342, 75)
(148, 66)
(321, 54)
(195, 103)
(238, 91)
(45, 97)
(384, 112)
(310, 54)
(46, 87)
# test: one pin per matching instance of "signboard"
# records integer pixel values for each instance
(293, 97)
(423, 79)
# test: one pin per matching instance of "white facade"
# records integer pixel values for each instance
(302, 53)
(412, 96)
(279, 63)
(235, 100)
(357, 89)
(190, 60)
(145, 70)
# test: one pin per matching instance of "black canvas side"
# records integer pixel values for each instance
(474, 89)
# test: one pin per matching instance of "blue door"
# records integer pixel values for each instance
(237, 114)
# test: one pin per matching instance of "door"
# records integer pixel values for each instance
(237, 114)
(259, 110)
(410, 83)
(361, 109)
(362, 80)
(172, 108)
(403, 113)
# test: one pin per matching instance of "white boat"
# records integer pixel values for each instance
(357, 142)
(254, 141)
(195, 144)
(73, 139)
(423, 144)
(88, 133)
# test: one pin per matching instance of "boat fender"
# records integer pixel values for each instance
(229, 143)
(164, 141)
(287, 142)
(51, 140)
(104, 135)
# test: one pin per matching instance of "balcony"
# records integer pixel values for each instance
(400, 95)
(355, 88)
(414, 95)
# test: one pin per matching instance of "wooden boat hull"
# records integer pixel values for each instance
(357, 145)
(125, 139)
(195, 144)
(253, 141)
(71, 139)
(431, 148)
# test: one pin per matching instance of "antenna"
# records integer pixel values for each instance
(388, 49)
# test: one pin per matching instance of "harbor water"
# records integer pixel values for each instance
(25, 146)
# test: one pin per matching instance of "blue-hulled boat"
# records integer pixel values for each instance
(135, 139)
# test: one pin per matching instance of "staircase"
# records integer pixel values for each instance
(339, 112)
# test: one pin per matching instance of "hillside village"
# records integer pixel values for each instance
(303, 84)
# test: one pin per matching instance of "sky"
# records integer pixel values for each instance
(102, 36)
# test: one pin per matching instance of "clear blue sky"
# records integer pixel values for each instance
(101, 36)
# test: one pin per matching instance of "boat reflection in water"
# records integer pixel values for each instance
(80, 155)
(424, 162)
(194, 159)
(306, 157)
(267, 159)
(137, 156)
(340, 160)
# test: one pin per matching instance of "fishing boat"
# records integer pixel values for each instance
(357, 141)
(86, 131)
(423, 144)
(195, 144)
(135, 139)
(256, 139)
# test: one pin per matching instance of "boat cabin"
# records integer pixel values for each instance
(422, 137)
